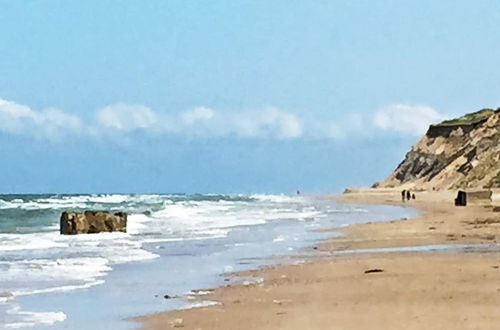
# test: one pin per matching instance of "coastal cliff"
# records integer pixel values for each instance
(458, 153)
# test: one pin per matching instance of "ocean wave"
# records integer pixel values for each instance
(17, 242)
(136, 223)
(276, 198)
(18, 318)
(207, 219)
(42, 261)
(48, 271)
(79, 201)
(131, 255)
(7, 204)
(196, 236)
(64, 288)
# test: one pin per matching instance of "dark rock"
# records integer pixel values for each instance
(167, 296)
(90, 222)
(6, 294)
(374, 270)
(461, 199)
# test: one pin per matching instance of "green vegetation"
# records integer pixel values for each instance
(470, 118)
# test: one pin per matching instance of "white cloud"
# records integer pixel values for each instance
(269, 122)
(197, 114)
(127, 117)
(266, 123)
(56, 123)
(406, 119)
(204, 122)
(49, 123)
(13, 116)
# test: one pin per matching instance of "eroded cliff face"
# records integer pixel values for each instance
(460, 153)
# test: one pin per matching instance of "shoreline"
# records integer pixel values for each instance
(331, 288)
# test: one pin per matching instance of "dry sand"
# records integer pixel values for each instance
(414, 290)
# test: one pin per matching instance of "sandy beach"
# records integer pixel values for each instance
(399, 287)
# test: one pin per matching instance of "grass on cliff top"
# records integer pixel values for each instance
(470, 118)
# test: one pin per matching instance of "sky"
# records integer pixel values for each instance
(232, 96)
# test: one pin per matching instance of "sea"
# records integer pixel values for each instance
(175, 245)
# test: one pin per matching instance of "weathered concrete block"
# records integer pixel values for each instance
(484, 195)
(90, 222)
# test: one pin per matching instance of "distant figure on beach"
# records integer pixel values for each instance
(298, 192)
(413, 196)
(408, 195)
(403, 194)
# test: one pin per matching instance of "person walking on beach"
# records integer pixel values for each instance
(408, 195)
(403, 195)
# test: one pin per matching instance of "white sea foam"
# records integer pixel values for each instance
(189, 220)
(7, 205)
(40, 204)
(109, 199)
(230, 214)
(195, 236)
(39, 275)
(137, 223)
(293, 214)
(73, 202)
(16, 242)
(132, 255)
(275, 198)
(201, 304)
(280, 238)
(349, 210)
(200, 293)
(64, 288)
(46, 275)
(25, 319)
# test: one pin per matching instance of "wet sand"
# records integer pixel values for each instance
(448, 289)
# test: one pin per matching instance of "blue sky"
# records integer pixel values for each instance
(232, 96)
